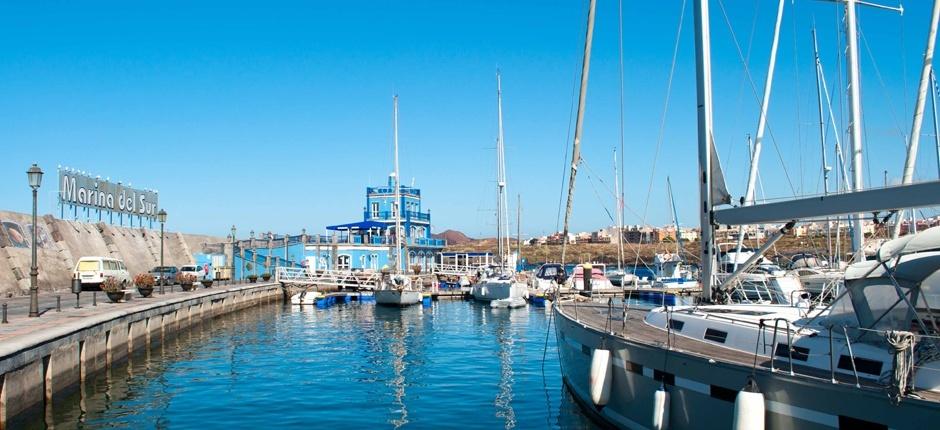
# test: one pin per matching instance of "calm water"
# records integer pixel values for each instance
(356, 365)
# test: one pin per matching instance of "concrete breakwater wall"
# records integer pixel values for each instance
(61, 243)
(40, 364)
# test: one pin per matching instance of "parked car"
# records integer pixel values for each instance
(167, 273)
(92, 271)
(196, 270)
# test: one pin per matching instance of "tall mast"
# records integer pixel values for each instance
(619, 213)
(919, 108)
(579, 123)
(703, 69)
(822, 141)
(397, 205)
(761, 125)
(502, 230)
(675, 218)
(855, 120)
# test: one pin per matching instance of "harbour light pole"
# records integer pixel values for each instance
(35, 180)
(161, 217)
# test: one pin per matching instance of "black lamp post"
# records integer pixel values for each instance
(233, 252)
(35, 180)
(161, 216)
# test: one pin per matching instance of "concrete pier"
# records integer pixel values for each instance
(46, 357)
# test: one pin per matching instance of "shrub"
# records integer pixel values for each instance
(111, 285)
(185, 278)
(144, 280)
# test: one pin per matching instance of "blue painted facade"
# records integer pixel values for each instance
(361, 245)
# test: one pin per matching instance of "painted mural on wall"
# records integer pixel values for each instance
(18, 235)
(15, 235)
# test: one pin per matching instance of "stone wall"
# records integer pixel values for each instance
(61, 243)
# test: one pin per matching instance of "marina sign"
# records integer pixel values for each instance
(81, 190)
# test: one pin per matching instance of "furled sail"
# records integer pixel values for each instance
(720, 195)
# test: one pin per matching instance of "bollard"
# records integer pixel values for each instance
(94, 298)
(77, 290)
(58, 303)
(4, 321)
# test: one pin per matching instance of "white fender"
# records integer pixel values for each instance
(748, 408)
(661, 409)
(601, 376)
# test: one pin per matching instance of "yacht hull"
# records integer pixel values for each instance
(397, 298)
(702, 388)
(487, 291)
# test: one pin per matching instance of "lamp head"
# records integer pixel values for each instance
(35, 176)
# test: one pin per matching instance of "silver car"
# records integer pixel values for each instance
(167, 273)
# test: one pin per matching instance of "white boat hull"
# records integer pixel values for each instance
(499, 289)
(394, 297)
(306, 298)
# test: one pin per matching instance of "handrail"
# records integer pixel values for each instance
(848, 343)
(773, 342)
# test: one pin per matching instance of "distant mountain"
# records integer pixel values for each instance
(453, 237)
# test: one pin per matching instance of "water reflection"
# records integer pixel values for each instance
(349, 366)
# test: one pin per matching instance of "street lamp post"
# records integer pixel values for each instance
(232, 276)
(161, 216)
(35, 180)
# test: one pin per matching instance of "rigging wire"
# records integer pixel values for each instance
(565, 146)
(747, 71)
(620, 198)
(884, 87)
(662, 121)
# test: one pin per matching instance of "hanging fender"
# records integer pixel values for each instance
(749, 408)
(600, 376)
(661, 409)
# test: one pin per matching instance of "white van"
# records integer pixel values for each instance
(92, 271)
(196, 270)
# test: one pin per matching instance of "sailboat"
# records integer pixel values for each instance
(498, 284)
(395, 287)
(868, 360)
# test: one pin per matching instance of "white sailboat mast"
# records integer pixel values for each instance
(502, 222)
(703, 70)
(918, 120)
(579, 123)
(761, 125)
(822, 143)
(855, 120)
(397, 205)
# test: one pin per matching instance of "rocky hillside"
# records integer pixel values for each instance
(453, 237)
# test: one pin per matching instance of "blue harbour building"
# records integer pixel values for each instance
(360, 245)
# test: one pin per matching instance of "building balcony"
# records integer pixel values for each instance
(357, 239)
(405, 216)
(391, 190)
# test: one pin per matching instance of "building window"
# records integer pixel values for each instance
(343, 261)
(375, 261)
(375, 209)
(394, 209)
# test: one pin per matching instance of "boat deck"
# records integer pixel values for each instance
(604, 318)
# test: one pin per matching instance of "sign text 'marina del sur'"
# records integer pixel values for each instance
(82, 190)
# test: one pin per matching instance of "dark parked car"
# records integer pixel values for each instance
(167, 273)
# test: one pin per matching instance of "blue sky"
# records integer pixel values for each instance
(277, 115)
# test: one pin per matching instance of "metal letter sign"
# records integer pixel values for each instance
(78, 189)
